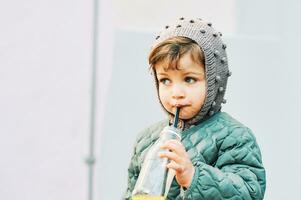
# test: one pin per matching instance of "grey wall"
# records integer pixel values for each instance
(131, 105)
(262, 92)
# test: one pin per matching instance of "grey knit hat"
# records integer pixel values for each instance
(216, 64)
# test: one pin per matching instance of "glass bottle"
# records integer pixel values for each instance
(155, 179)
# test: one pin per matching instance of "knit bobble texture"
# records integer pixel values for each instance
(216, 65)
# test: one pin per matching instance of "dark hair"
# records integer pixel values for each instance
(173, 49)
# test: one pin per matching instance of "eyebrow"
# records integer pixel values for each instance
(185, 73)
(196, 73)
(162, 73)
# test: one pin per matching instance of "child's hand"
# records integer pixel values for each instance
(179, 161)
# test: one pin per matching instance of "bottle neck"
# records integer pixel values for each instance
(170, 132)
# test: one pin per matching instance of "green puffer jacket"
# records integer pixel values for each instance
(225, 154)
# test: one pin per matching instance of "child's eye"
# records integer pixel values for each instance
(164, 81)
(190, 80)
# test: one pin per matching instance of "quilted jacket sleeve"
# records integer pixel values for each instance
(238, 172)
(132, 178)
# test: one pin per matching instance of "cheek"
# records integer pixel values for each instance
(199, 95)
(203, 93)
(163, 95)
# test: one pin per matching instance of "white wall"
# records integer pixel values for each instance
(45, 55)
(45, 87)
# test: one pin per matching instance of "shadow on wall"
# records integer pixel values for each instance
(132, 105)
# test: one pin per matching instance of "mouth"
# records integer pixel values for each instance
(178, 105)
(182, 108)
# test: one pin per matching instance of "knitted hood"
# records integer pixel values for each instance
(216, 64)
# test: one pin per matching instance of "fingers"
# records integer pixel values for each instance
(171, 156)
(174, 146)
(180, 162)
(175, 166)
(177, 155)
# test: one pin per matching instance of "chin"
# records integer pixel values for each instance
(186, 117)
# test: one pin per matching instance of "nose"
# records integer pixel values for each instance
(178, 92)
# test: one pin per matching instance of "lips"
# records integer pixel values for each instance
(180, 105)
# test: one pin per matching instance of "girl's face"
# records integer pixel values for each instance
(184, 88)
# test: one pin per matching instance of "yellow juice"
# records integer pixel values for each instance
(147, 197)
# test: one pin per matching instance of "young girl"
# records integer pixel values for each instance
(218, 157)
